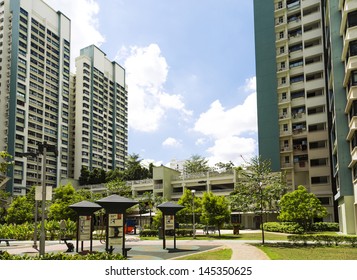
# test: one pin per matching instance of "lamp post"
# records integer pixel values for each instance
(43, 149)
(261, 210)
(193, 214)
(36, 156)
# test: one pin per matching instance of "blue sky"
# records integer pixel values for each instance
(190, 71)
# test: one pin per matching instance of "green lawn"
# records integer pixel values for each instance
(219, 254)
(310, 252)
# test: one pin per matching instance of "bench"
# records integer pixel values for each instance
(7, 240)
(70, 246)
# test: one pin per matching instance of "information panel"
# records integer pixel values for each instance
(169, 222)
(84, 227)
(115, 229)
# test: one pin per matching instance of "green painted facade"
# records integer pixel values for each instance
(267, 100)
(15, 8)
(339, 103)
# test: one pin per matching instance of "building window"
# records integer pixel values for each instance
(353, 48)
(317, 145)
(318, 162)
(297, 79)
(319, 180)
(316, 127)
(352, 19)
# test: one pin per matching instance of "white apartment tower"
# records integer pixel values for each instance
(99, 119)
(292, 94)
(34, 90)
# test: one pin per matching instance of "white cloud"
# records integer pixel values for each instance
(219, 122)
(250, 85)
(172, 142)
(232, 148)
(84, 23)
(228, 128)
(146, 74)
(200, 141)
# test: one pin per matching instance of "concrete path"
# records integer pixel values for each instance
(242, 250)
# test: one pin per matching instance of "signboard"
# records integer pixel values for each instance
(169, 222)
(38, 193)
(84, 227)
(115, 229)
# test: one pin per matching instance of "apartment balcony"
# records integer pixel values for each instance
(314, 50)
(353, 127)
(296, 70)
(301, 131)
(351, 65)
(285, 149)
(295, 38)
(353, 157)
(299, 117)
(295, 22)
(293, 5)
(280, 8)
(350, 5)
(312, 34)
(283, 101)
(301, 166)
(314, 67)
(285, 133)
(284, 116)
(313, 84)
(286, 165)
(351, 96)
(310, 18)
(351, 34)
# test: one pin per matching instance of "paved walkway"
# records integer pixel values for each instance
(152, 249)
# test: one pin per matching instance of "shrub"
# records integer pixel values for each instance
(324, 226)
(148, 233)
(285, 227)
(184, 232)
(324, 238)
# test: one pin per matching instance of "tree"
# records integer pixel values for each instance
(96, 176)
(224, 167)
(215, 210)
(119, 187)
(20, 211)
(196, 164)
(185, 215)
(147, 202)
(258, 187)
(64, 196)
(134, 170)
(302, 207)
(83, 178)
(5, 161)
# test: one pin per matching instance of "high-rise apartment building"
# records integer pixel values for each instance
(306, 55)
(99, 119)
(34, 90)
(341, 55)
(293, 119)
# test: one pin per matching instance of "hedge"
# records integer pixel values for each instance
(295, 228)
(323, 239)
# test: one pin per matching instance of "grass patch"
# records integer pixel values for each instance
(219, 254)
(309, 252)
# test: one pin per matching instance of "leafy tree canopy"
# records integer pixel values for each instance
(185, 215)
(215, 210)
(302, 207)
(258, 187)
(196, 164)
(5, 161)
